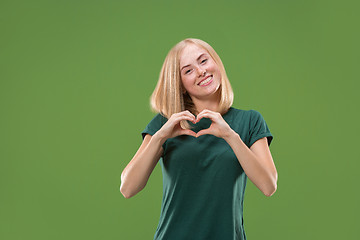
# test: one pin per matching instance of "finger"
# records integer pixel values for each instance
(187, 116)
(203, 132)
(180, 118)
(211, 115)
(188, 132)
(188, 113)
(201, 113)
(184, 113)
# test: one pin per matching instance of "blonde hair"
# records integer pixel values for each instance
(169, 97)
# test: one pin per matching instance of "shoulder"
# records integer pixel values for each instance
(248, 117)
(158, 120)
(160, 117)
(256, 117)
(244, 113)
(154, 125)
(236, 111)
(254, 113)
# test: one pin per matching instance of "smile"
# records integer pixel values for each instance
(206, 81)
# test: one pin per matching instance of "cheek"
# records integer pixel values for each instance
(214, 67)
(216, 71)
(186, 81)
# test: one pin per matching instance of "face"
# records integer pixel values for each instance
(199, 73)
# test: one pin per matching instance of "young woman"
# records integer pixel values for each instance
(207, 149)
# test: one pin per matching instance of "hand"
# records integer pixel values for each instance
(218, 127)
(172, 127)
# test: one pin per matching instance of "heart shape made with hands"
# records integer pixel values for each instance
(216, 128)
(194, 123)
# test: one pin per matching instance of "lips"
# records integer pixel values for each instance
(206, 78)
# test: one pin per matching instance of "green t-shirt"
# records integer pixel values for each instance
(203, 181)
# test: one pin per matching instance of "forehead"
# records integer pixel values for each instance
(190, 53)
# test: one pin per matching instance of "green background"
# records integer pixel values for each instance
(75, 82)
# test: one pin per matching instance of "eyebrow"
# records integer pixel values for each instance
(196, 60)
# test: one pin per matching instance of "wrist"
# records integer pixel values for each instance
(231, 134)
(158, 136)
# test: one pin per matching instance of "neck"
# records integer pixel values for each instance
(211, 103)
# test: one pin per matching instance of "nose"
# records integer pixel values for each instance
(201, 71)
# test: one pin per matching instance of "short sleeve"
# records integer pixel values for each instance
(154, 125)
(258, 128)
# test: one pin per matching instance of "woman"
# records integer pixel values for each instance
(206, 148)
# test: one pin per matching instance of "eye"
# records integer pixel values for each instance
(204, 60)
(186, 72)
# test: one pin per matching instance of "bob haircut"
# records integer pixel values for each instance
(169, 96)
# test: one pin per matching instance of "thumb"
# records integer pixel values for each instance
(203, 132)
(188, 132)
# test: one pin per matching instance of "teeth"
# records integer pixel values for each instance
(205, 81)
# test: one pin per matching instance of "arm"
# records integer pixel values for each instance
(137, 172)
(257, 161)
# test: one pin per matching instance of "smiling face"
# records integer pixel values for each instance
(199, 73)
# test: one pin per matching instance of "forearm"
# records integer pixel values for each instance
(263, 177)
(136, 174)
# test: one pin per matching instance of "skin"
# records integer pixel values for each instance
(193, 70)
